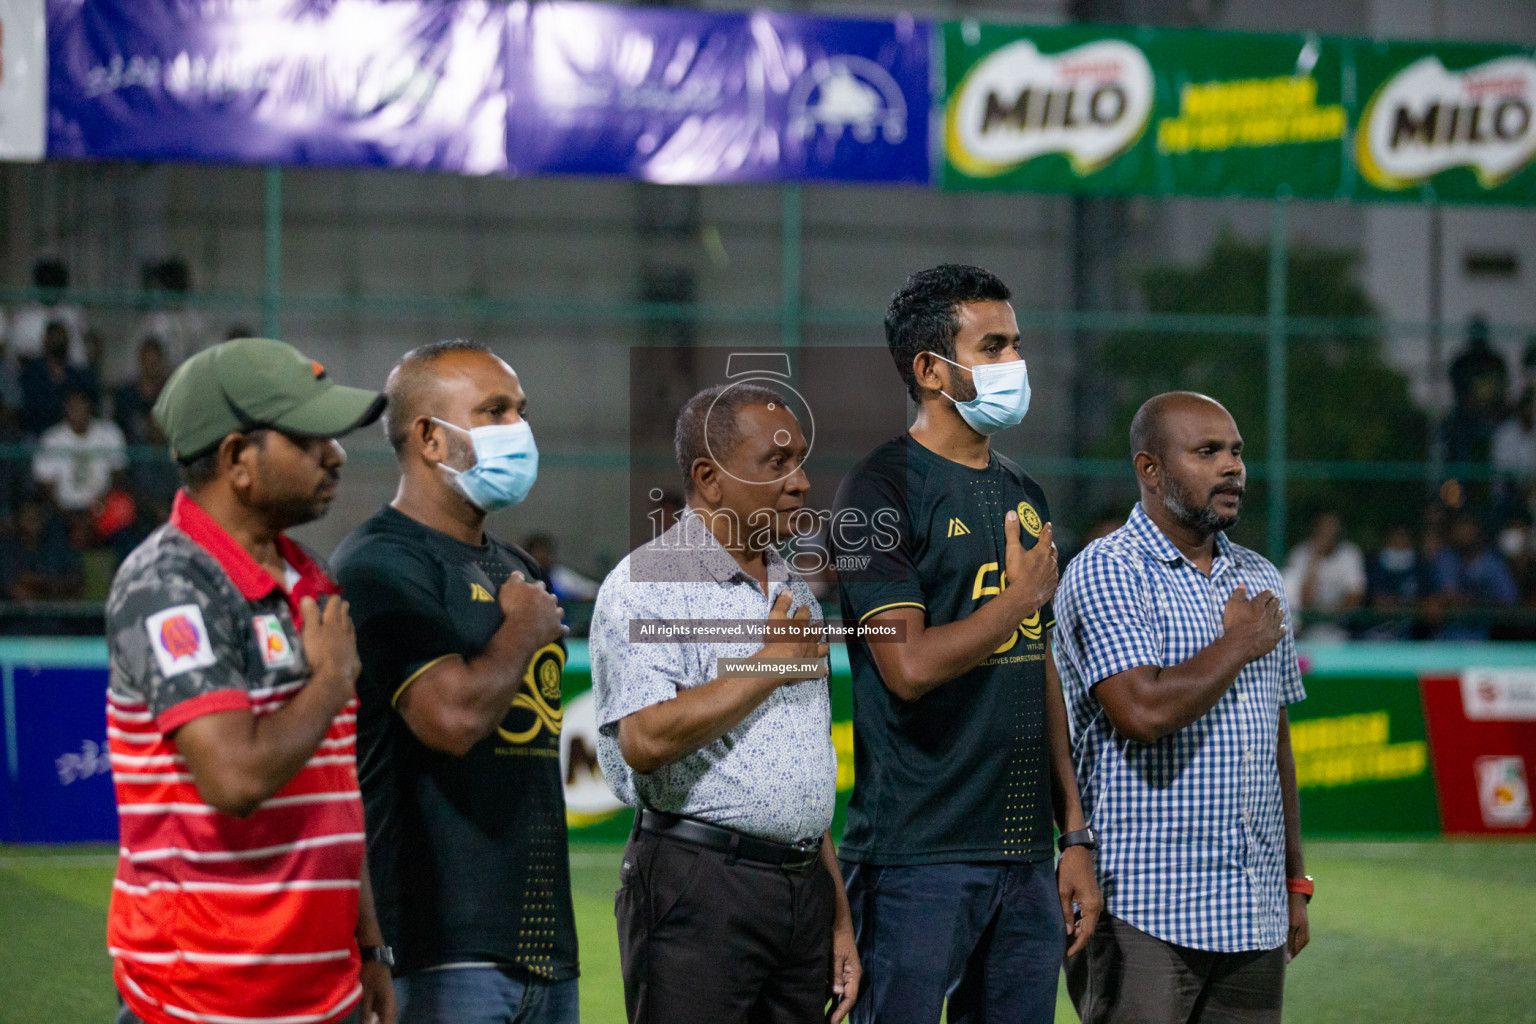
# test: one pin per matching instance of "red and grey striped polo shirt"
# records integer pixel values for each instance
(216, 918)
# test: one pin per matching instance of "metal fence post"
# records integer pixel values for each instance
(790, 311)
(272, 261)
(1276, 345)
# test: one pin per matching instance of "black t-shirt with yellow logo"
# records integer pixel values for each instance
(961, 773)
(468, 854)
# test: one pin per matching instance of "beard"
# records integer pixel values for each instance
(1204, 519)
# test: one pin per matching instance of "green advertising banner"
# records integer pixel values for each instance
(1184, 112)
(1362, 756)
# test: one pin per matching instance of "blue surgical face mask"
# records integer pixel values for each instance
(506, 465)
(1002, 395)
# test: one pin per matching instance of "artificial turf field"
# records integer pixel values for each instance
(1402, 933)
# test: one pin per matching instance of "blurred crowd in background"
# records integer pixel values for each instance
(85, 476)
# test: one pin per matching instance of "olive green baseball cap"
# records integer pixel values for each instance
(249, 383)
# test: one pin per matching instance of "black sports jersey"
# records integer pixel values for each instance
(961, 773)
(468, 854)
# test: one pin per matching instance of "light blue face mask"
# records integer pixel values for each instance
(506, 465)
(1002, 395)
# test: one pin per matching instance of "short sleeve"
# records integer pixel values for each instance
(180, 644)
(1108, 616)
(1291, 689)
(872, 542)
(628, 676)
(402, 622)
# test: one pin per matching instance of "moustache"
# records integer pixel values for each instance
(1234, 489)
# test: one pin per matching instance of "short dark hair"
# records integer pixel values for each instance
(194, 473)
(410, 386)
(921, 316)
(706, 426)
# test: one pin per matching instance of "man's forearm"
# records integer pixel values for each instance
(660, 734)
(1148, 703)
(368, 931)
(841, 911)
(1290, 799)
(931, 656)
(486, 684)
(1066, 800)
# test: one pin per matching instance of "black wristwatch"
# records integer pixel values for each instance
(1082, 837)
(377, 955)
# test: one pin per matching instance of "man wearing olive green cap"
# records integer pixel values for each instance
(241, 889)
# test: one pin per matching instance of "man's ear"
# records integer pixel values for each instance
(237, 460)
(706, 481)
(1149, 471)
(434, 447)
(926, 367)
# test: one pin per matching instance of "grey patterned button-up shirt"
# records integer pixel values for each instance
(774, 775)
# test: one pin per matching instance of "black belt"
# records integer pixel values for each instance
(790, 856)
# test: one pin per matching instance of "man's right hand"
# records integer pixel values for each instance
(806, 645)
(1257, 624)
(1034, 570)
(330, 645)
(535, 611)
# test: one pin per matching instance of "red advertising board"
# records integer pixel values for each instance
(1482, 737)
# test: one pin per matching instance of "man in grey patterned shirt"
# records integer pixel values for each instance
(731, 905)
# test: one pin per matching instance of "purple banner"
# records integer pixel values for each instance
(477, 87)
(407, 83)
(689, 96)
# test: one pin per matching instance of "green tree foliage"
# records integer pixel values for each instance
(1343, 401)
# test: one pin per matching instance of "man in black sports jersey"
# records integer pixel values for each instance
(961, 748)
(459, 707)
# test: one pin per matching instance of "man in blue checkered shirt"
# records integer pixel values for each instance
(1174, 650)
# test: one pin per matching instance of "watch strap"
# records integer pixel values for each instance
(1079, 837)
(1302, 886)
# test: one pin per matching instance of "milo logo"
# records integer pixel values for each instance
(1426, 119)
(1090, 103)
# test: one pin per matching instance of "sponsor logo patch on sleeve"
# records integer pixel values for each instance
(179, 639)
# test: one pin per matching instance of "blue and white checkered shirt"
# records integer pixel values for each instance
(1191, 831)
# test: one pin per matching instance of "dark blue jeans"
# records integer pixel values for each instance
(483, 995)
(988, 937)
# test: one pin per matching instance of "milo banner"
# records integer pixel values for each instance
(1454, 119)
(1182, 112)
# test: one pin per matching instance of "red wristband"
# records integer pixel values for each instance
(1301, 885)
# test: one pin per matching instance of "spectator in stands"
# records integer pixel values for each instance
(29, 324)
(37, 562)
(79, 460)
(1326, 573)
(44, 381)
(134, 398)
(151, 477)
(182, 331)
(1517, 543)
(567, 583)
(10, 383)
(1470, 575)
(1480, 386)
(1396, 578)
(1514, 456)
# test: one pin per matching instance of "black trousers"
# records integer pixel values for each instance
(1126, 976)
(708, 941)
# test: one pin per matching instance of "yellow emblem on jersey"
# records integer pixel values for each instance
(479, 593)
(1029, 519)
(957, 528)
(540, 695)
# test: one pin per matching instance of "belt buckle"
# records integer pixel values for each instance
(809, 850)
